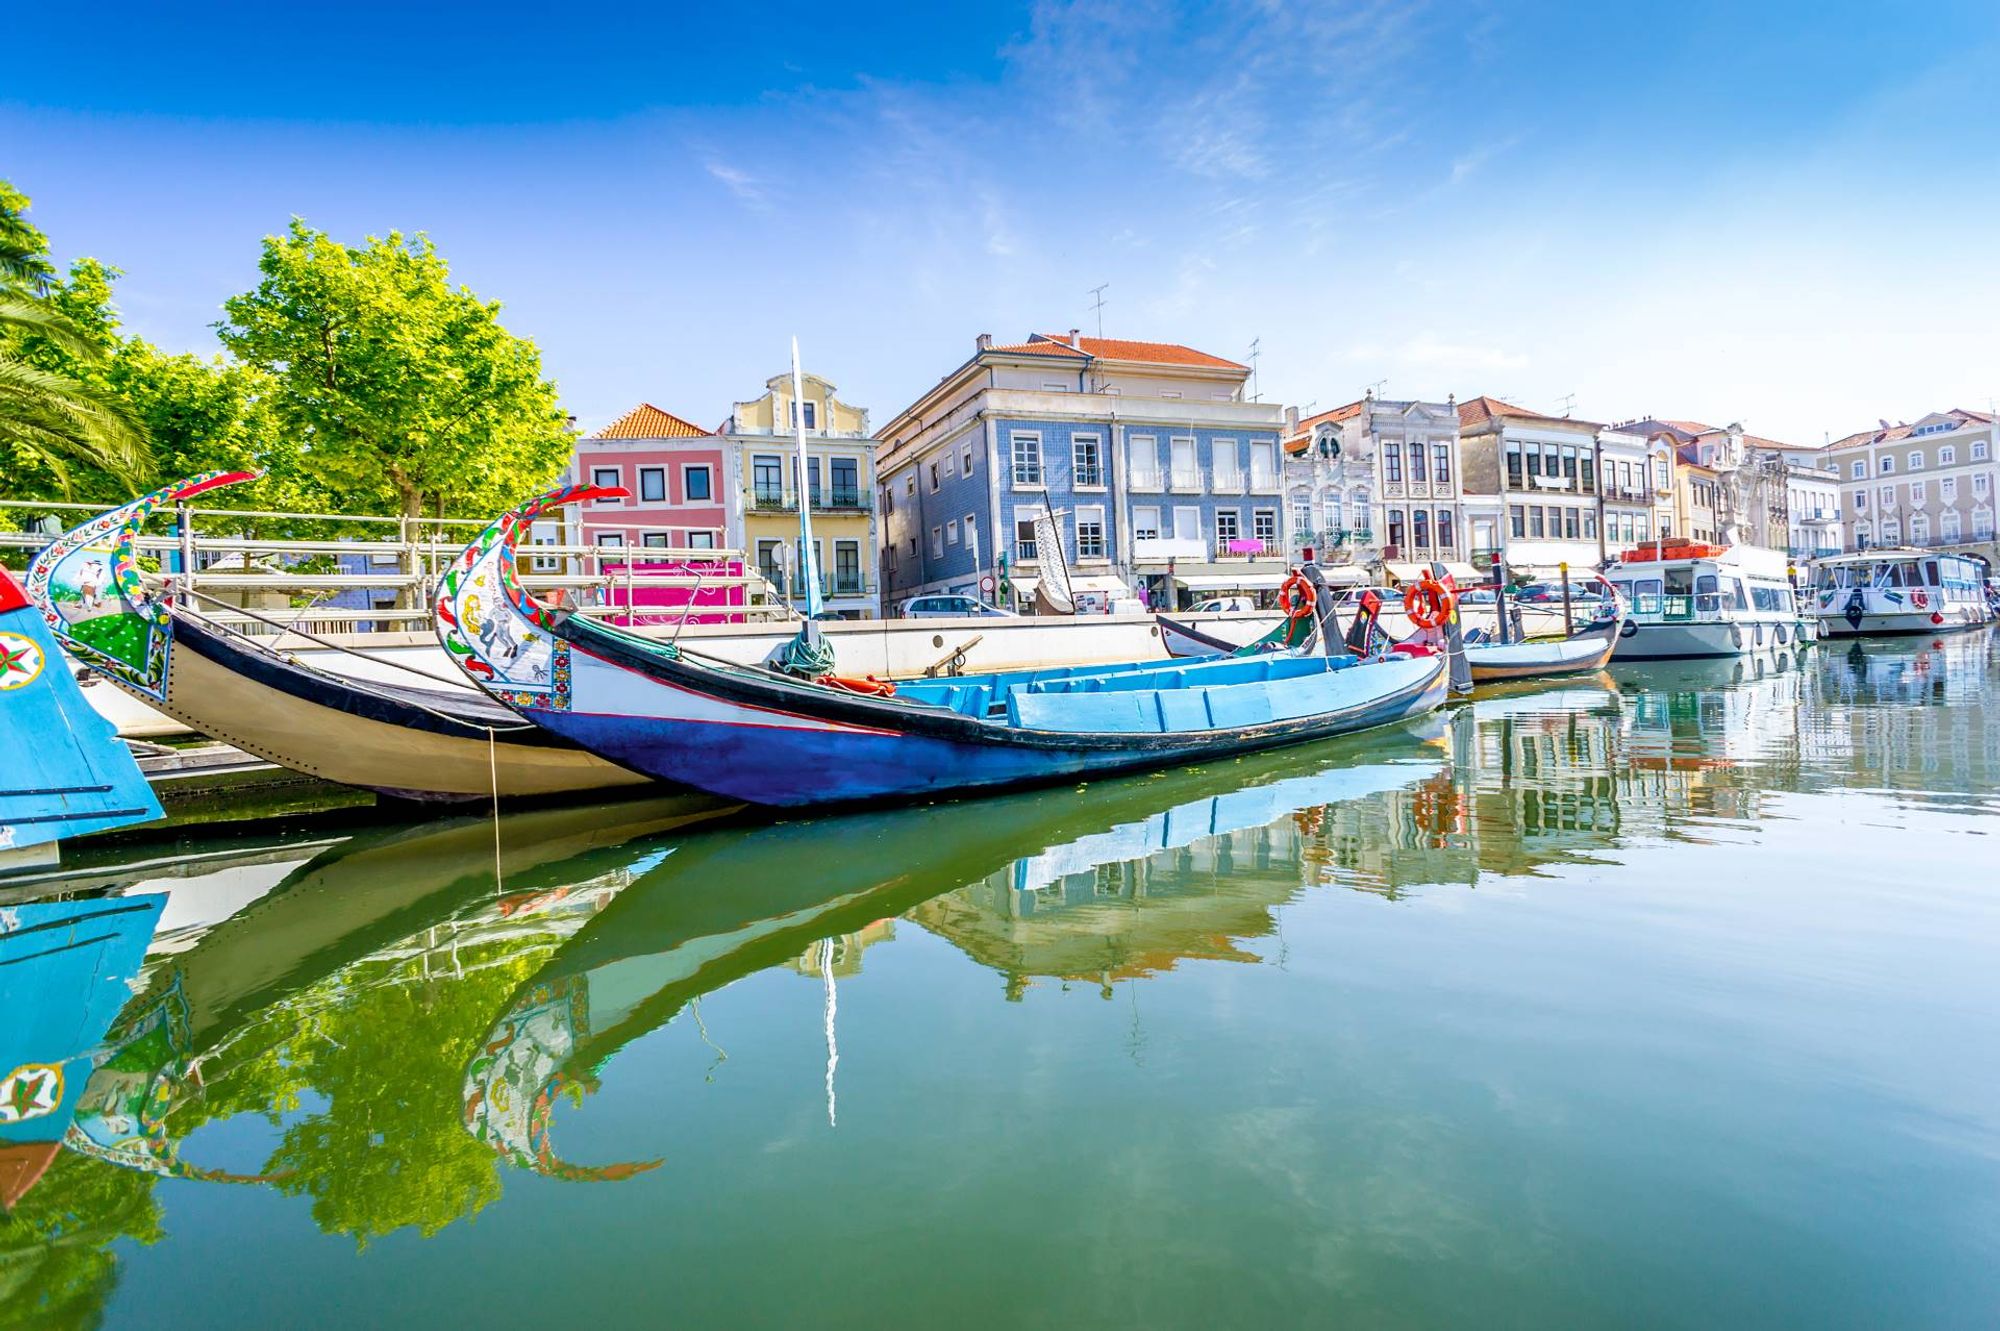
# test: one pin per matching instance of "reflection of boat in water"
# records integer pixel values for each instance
(64, 966)
(364, 898)
(731, 902)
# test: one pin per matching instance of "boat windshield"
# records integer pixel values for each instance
(1707, 594)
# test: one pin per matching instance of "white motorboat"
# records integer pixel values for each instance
(1692, 600)
(1884, 592)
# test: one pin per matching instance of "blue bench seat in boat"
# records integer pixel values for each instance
(978, 695)
(1211, 696)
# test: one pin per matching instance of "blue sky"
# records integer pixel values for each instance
(1780, 214)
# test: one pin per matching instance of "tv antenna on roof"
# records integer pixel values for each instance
(1375, 389)
(1569, 404)
(1256, 351)
(1097, 304)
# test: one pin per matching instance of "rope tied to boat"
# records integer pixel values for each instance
(807, 655)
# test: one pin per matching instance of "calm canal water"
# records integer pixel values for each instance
(1663, 998)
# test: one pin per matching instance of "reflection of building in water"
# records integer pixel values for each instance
(846, 951)
(1912, 713)
(1125, 919)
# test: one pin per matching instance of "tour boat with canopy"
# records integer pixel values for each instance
(1294, 633)
(433, 741)
(1689, 599)
(1899, 591)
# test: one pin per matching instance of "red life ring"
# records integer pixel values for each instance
(1296, 597)
(1428, 603)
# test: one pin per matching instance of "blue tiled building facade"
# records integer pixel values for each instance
(1145, 452)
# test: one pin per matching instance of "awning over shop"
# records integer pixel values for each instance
(1113, 587)
(1465, 575)
(1344, 575)
(1230, 577)
(1406, 572)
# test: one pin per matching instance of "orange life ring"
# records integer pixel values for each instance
(867, 685)
(1428, 603)
(1296, 597)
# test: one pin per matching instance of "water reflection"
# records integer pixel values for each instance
(411, 1031)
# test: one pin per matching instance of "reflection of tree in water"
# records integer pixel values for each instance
(56, 1266)
(386, 1044)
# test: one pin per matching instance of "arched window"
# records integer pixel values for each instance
(1948, 525)
(1920, 529)
(1864, 535)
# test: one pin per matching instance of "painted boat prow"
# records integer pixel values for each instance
(67, 773)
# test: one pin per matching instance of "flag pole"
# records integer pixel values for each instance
(808, 564)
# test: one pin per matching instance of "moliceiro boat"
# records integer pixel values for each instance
(1293, 634)
(774, 738)
(1692, 600)
(1432, 605)
(1899, 591)
(411, 741)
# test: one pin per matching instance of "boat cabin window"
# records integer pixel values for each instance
(1763, 596)
(1680, 581)
(1707, 597)
(1733, 598)
(1931, 573)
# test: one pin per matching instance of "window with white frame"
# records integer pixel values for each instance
(1087, 460)
(1888, 496)
(701, 540)
(1228, 526)
(1027, 446)
(1916, 493)
(1982, 524)
(610, 540)
(653, 540)
(1024, 535)
(937, 478)
(1302, 515)
(1892, 531)
(965, 456)
(1264, 526)
(1980, 485)
(605, 478)
(1948, 524)
(1186, 469)
(1859, 469)
(812, 415)
(1144, 452)
(697, 483)
(1887, 464)
(1146, 522)
(1860, 501)
(1916, 459)
(1227, 465)
(1947, 454)
(1948, 488)
(937, 543)
(1090, 532)
(950, 464)
(1920, 528)
(653, 485)
(1863, 534)
(1979, 450)
(951, 532)
(1263, 464)
(971, 525)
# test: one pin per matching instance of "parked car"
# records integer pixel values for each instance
(952, 607)
(1552, 592)
(1225, 603)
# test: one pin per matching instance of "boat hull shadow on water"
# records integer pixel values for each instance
(409, 741)
(762, 736)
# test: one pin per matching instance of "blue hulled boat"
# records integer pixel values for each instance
(66, 773)
(771, 737)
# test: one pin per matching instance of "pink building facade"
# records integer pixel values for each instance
(680, 478)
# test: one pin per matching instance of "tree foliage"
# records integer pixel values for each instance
(400, 386)
(51, 419)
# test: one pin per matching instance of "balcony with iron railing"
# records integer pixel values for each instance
(1183, 481)
(764, 499)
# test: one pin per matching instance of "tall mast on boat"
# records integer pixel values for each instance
(808, 564)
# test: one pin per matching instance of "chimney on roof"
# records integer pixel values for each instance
(1291, 420)
(1076, 338)
(984, 342)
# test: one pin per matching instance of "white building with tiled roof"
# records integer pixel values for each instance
(1929, 482)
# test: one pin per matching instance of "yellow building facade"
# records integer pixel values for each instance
(839, 489)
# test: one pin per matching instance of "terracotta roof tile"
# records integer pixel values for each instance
(1480, 410)
(1119, 349)
(647, 421)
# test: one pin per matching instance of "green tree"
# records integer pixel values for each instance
(401, 387)
(50, 420)
(57, 1267)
